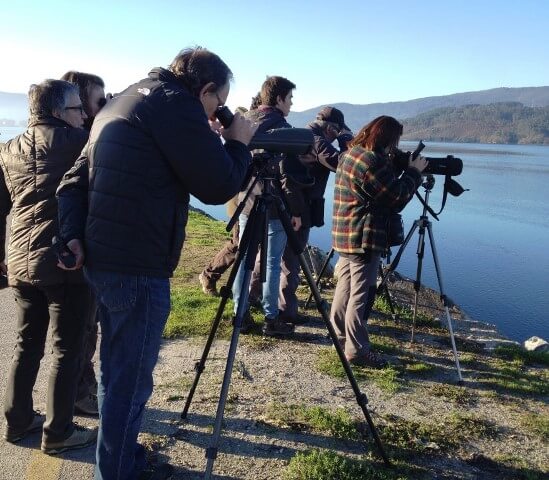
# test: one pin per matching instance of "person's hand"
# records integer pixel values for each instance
(296, 223)
(76, 247)
(216, 126)
(420, 163)
(3, 268)
(242, 129)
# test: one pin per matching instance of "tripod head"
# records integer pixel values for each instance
(428, 182)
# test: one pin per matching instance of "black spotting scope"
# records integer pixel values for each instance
(292, 141)
(449, 165)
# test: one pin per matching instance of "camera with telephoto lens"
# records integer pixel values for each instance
(449, 165)
(291, 141)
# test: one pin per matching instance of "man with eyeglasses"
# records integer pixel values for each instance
(150, 148)
(32, 165)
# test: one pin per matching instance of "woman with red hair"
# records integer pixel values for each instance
(368, 188)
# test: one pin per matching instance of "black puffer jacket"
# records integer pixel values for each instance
(149, 148)
(327, 158)
(32, 166)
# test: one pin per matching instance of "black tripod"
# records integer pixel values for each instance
(423, 223)
(254, 234)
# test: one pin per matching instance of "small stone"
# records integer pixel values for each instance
(536, 344)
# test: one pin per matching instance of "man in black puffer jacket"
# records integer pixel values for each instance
(150, 147)
(32, 165)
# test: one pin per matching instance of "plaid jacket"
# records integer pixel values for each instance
(367, 190)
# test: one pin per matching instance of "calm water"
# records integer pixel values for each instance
(492, 241)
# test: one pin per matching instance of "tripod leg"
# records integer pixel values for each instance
(319, 276)
(393, 265)
(417, 283)
(361, 398)
(225, 294)
(322, 307)
(444, 301)
(387, 295)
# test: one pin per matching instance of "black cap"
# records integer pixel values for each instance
(333, 115)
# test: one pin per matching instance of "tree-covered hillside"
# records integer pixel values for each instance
(508, 122)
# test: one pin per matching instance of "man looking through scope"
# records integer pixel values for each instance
(276, 101)
(150, 148)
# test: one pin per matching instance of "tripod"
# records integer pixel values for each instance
(255, 233)
(422, 224)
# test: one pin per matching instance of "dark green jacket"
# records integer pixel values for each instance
(32, 165)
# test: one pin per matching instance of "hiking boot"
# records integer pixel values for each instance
(87, 406)
(161, 471)
(208, 286)
(276, 327)
(80, 438)
(35, 426)
(369, 359)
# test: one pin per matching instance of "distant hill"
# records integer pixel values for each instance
(357, 116)
(509, 122)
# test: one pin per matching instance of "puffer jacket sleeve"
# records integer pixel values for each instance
(5, 207)
(72, 199)
(209, 170)
(326, 154)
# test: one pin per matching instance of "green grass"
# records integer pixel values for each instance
(537, 424)
(327, 465)
(193, 312)
(509, 376)
(337, 423)
(458, 395)
(406, 314)
(516, 352)
(386, 378)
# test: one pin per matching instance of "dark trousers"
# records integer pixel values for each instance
(66, 307)
(224, 258)
(289, 276)
(87, 385)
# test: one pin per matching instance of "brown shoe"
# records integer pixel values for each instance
(208, 286)
(369, 359)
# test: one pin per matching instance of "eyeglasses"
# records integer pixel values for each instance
(79, 107)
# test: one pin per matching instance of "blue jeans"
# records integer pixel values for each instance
(132, 312)
(276, 242)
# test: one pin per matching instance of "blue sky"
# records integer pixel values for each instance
(357, 52)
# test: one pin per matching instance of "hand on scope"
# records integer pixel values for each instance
(242, 129)
(420, 163)
(216, 126)
(76, 247)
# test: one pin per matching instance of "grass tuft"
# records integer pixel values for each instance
(327, 465)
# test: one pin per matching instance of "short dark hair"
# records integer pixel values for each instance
(274, 87)
(84, 81)
(380, 133)
(49, 96)
(197, 66)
